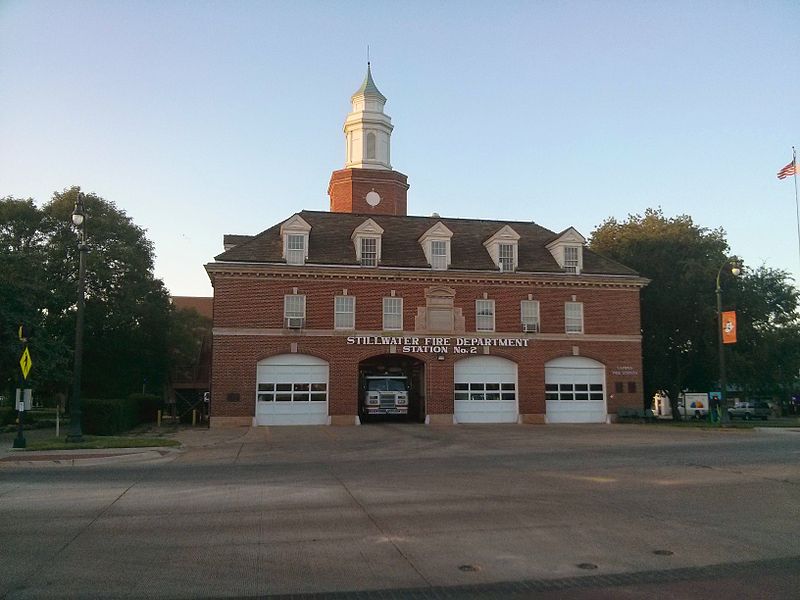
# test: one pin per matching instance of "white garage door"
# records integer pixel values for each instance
(486, 390)
(292, 389)
(575, 390)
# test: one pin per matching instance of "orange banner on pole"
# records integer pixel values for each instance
(729, 327)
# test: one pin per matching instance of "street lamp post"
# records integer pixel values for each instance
(736, 268)
(79, 220)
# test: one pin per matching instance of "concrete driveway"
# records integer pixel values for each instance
(467, 511)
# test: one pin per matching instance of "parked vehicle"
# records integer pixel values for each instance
(385, 395)
(691, 405)
(750, 410)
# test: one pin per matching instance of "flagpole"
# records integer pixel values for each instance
(796, 204)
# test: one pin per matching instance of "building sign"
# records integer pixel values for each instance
(625, 370)
(437, 345)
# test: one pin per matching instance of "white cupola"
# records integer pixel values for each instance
(367, 129)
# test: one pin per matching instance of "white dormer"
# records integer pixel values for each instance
(503, 248)
(294, 233)
(436, 245)
(367, 240)
(567, 249)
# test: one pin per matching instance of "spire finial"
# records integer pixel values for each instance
(367, 56)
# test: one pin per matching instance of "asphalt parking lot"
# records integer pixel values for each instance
(402, 510)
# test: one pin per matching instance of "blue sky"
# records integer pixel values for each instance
(205, 118)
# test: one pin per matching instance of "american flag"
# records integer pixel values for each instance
(788, 170)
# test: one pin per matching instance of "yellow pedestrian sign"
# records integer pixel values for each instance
(25, 363)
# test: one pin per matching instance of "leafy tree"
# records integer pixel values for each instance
(127, 308)
(678, 306)
(23, 295)
(679, 321)
(766, 357)
(187, 330)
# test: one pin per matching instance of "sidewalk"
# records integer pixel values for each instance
(13, 457)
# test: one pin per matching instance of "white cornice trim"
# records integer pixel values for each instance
(333, 333)
(427, 275)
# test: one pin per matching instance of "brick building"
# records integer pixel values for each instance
(487, 320)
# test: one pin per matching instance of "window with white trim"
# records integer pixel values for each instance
(393, 313)
(439, 255)
(369, 252)
(571, 259)
(294, 309)
(344, 312)
(294, 240)
(506, 257)
(573, 317)
(295, 249)
(529, 313)
(484, 315)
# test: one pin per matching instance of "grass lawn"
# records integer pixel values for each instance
(732, 424)
(100, 442)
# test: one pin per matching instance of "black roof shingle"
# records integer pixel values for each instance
(330, 244)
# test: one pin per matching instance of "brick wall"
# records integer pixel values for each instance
(256, 303)
(348, 189)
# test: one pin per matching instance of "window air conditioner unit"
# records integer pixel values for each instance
(294, 322)
(530, 327)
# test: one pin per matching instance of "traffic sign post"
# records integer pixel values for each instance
(25, 364)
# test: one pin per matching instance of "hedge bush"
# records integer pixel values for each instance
(148, 406)
(111, 416)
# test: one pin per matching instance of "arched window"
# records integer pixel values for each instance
(370, 145)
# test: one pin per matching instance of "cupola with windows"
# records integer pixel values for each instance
(368, 184)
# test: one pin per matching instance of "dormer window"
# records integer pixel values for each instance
(567, 250)
(436, 245)
(367, 240)
(439, 255)
(294, 233)
(506, 257)
(503, 248)
(369, 252)
(571, 261)
(295, 249)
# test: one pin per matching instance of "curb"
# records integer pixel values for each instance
(777, 429)
(88, 457)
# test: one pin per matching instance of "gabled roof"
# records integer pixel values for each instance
(330, 244)
(569, 236)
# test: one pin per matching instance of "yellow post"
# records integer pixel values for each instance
(159, 417)
(194, 417)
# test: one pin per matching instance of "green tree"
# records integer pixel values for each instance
(678, 306)
(187, 331)
(127, 308)
(23, 296)
(766, 357)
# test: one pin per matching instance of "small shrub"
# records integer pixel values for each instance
(108, 416)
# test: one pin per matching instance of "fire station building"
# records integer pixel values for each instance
(489, 321)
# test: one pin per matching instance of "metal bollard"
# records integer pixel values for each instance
(158, 418)
(194, 417)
